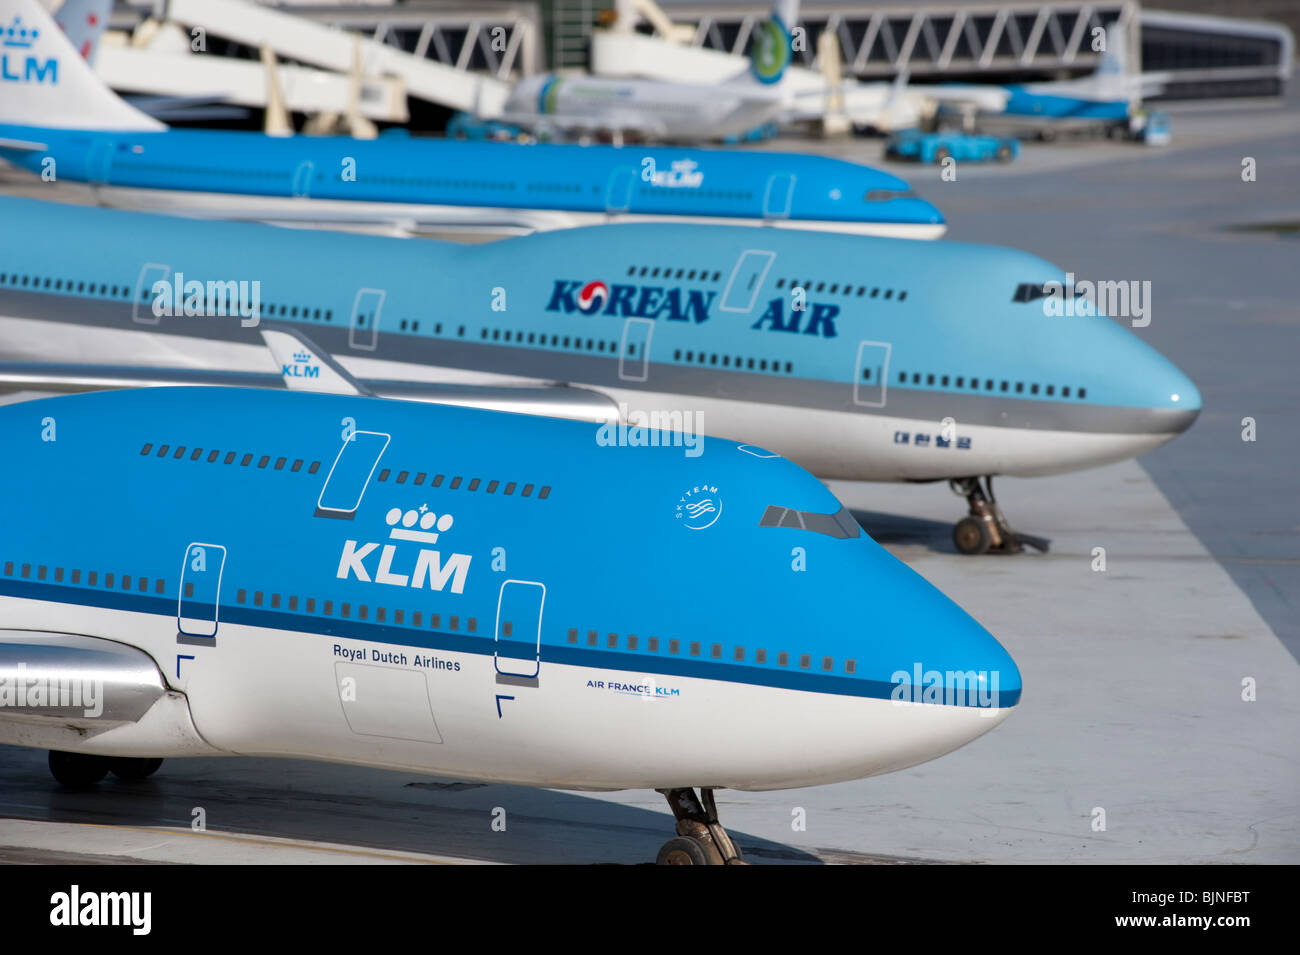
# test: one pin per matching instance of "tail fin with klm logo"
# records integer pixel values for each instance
(45, 82)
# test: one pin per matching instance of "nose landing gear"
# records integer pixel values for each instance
(82, 770)
(985, 529)
(701, 840)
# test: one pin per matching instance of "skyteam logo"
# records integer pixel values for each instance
(416, 525)
(700, 507)
(300, 367)
(16, 65)
(771, 54)
(592, 297)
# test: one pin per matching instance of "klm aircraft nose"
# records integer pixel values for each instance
(945, 656)
(948, 681)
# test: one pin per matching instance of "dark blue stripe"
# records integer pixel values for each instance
(402, 636)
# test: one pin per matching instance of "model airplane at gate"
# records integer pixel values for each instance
(462, 593)
(859, 358)
(59, 120)
(664, 108)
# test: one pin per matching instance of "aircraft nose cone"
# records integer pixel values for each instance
(956, 662)
(914, 209)
(1183, 396)
(1171, 400)
(944, 678)
(949, 680)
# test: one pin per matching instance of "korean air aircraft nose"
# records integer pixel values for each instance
(1181, 394)
(1166, 401)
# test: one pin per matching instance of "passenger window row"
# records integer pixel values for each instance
(565, 187)
(689, 193)
(457, 481)
(81, 287)
(836, 288)
(433, 183)
(747, 364)
(213, 455)
(328, 608)
(111, 581)
(295, 311)
(415, 618)
(693, 648)
(645, 271)
(1018, 387)
(558, 341)
(241, 172)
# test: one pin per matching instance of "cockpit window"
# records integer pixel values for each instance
(884, 195)
(839, 525)
(1033, 291)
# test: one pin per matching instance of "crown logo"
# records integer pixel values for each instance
(302, 356)
(18, 36)
(424, 518)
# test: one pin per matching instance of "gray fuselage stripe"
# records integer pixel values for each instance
(601, 371)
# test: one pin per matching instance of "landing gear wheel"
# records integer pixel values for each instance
(985, 529)
(701, 840)
(77, 770)
(683, 850)
(130, 770)
(1004, 153)
(971, 536)
(942, 153)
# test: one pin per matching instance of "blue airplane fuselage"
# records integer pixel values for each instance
(654, 181)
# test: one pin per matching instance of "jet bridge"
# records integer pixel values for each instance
(420, 70)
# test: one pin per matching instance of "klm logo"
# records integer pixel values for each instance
(427, 570)
(300, 367)
(17, 65)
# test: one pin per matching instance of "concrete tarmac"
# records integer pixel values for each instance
(1136, 740)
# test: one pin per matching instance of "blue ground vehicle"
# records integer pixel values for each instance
(936, 147)
(463, 125)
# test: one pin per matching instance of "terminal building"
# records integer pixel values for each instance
(1010, 42)
(1202, 53)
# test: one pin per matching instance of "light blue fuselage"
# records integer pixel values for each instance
(782, 317)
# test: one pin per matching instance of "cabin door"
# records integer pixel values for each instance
(518, 650)
(776, 200)
(618, 196)
(363, 331)
(634, 349)
(870, 373)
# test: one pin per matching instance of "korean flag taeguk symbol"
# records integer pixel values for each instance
(700, 507)
(592, 297)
